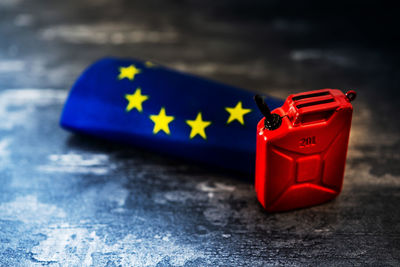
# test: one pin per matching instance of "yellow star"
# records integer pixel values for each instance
(135, 100)
(237, 113)
(161, 121)
(128, 72)
(198, 126)
(150, 64)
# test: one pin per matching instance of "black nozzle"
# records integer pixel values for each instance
(272, 121)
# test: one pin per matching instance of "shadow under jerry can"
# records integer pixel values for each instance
(301, 149)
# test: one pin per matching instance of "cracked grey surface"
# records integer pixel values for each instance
(69, 200)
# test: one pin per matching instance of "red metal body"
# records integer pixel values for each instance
(302, 162)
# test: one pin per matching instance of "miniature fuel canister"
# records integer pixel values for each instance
(301, 149)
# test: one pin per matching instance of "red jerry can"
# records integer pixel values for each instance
(301, 149)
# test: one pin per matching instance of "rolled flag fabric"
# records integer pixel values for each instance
(144, 104)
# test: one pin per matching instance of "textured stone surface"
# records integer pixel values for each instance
(73, 201)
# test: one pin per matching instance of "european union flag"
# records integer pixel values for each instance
(148, 105)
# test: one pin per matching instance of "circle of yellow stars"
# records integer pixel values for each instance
(162, 120)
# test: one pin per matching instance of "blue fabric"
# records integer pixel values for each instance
(98, 105)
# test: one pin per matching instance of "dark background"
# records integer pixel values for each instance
(71, 200)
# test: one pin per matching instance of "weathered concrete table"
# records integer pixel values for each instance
(70, 200)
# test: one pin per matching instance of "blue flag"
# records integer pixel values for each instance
(151, 106)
